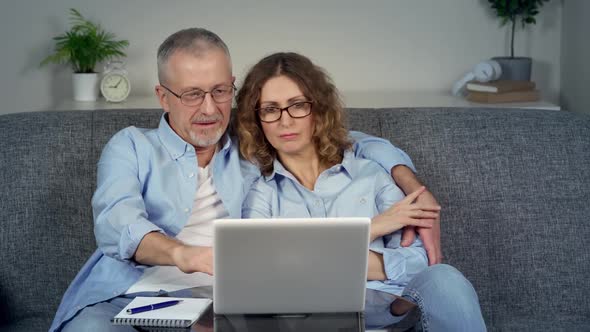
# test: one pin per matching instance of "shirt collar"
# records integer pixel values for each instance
(347, 165)
(176, 146)
(277, 168)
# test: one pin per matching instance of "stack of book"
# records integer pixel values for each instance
(502, 91)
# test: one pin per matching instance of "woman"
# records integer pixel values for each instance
(290, 123)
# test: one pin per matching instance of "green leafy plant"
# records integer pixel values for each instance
(512, 10)
(85, 45)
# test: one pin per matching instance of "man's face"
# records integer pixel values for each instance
(204, 124)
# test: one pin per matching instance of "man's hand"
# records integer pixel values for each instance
(430, 236)
(404, 213)
(406, 179)
(190, 259)
(158, 249)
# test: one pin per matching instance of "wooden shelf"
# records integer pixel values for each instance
(357, 99)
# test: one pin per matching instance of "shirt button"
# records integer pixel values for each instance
(186, 210)
(191, 175)
(363, 200)
(317, 202)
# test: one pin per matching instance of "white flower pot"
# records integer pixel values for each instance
(85, 86)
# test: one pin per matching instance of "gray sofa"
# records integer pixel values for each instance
(514, 184)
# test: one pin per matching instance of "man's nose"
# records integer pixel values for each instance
(208, 106)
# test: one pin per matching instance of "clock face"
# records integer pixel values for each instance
(115, 87)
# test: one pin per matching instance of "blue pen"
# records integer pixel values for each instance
(154, 306)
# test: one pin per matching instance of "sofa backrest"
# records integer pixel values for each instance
(515, 191)
(47, 178)
(514, 186)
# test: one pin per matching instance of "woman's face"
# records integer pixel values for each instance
(288, 135)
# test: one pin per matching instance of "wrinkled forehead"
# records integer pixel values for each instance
(202, 70)
(200, 56)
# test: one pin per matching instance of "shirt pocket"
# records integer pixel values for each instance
(354, 206)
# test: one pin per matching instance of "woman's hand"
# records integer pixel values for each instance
(406, 212)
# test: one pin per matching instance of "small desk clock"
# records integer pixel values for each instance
(115, 85)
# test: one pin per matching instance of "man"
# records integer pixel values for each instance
(158, 190)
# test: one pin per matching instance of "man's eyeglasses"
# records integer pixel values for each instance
(297, 110)
(220, 94)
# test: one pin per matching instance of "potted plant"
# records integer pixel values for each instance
(83, 46)
(516, 68)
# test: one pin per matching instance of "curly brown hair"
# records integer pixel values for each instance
(330, 135)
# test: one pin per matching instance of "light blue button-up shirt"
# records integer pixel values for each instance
(146, 183)
(354, 188)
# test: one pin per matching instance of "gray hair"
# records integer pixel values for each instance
(192, 40)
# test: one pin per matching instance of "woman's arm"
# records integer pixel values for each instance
(404, 213)
(258, 202)
(394, 262)
(402, 170)
(376, 270)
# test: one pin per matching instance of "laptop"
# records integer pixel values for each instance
(290, 266)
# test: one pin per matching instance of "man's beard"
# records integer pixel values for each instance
(206, 138)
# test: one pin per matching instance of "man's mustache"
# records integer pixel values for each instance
(205, 119)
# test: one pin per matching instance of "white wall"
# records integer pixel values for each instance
(575, 61)
(373, 46)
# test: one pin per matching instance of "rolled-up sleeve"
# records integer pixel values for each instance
(120, 217)
(379, 150)
(401, 264)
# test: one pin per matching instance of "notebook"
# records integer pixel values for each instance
(293, 265)
(183, 314)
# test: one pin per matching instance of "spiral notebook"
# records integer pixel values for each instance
(183, 314)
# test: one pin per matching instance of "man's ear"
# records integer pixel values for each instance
(162, 98)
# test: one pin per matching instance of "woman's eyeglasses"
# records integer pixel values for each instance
(297, 110)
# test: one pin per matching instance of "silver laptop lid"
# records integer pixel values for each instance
(295, 265)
